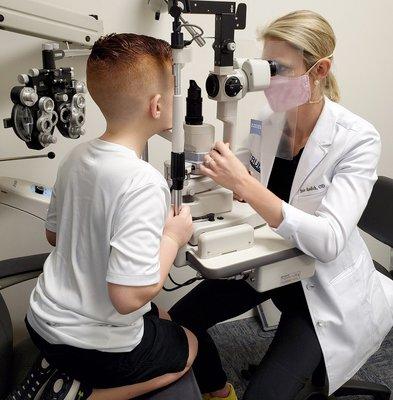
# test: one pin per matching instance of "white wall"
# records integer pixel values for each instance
(364, 64)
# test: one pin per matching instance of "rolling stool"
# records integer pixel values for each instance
(15, 362)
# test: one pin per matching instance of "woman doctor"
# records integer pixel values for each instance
(340, 316)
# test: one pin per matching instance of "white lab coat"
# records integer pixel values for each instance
(351, 304)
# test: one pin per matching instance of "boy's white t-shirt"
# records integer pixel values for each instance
(108, 209)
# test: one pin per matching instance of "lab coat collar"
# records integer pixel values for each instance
(316, 147)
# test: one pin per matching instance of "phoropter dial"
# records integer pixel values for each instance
(50, 98)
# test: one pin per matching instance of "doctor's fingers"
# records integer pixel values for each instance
(207, 172)
(209, 162)
(222, 148)
(216, 156)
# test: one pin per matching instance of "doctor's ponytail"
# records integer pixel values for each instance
(331, 88)
(311, 33)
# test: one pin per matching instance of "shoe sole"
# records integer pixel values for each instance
(72, 391)
(39, 393)
(71, 395)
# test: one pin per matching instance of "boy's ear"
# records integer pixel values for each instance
(155, 106)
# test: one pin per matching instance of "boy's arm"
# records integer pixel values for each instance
(51, 237)
(127, 299)
(134, 269)
(51, 219)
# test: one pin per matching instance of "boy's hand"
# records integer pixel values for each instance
(179, 228)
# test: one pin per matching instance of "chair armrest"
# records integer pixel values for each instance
(15, 270)
(15, 279)
(382, 270)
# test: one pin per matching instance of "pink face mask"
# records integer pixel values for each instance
(285, 93)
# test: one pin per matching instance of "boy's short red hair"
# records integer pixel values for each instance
(127, 64)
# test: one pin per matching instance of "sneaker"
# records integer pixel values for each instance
(35, 382)
(63, 387)
(231, 395)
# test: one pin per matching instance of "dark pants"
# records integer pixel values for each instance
(162, 350)
(292, 357)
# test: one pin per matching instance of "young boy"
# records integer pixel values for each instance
(90, 313)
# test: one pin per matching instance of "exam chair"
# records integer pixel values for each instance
(377, 221)
(15, 361)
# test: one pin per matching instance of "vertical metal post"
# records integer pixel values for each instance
(177, 156)
(177, 162)
(145, 154)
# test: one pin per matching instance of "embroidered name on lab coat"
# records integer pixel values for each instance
(255, 164)
(313, 188)
(255, 131)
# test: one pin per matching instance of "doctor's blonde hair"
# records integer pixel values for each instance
(311, 33)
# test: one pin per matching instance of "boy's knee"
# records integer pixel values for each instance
(192, 348)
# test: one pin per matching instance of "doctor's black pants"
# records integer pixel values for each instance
(292, 357)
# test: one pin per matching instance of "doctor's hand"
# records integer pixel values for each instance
(238, 198)
(224, 167)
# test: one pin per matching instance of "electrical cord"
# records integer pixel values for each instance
(185, 24)
(200, 34)
(180, 285)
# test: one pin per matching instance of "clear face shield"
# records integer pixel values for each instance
(288, 90)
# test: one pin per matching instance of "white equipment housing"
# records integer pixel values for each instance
(236, 240)
(22, 232)
(22, 215)
(232, 250)
(263, 257)
(43, 20)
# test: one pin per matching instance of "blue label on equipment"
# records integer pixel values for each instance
(256, 127)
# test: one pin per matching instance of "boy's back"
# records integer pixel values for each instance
(91, 314)
(108, 209)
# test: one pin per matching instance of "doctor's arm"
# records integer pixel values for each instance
(322, 235)
(325, 234)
